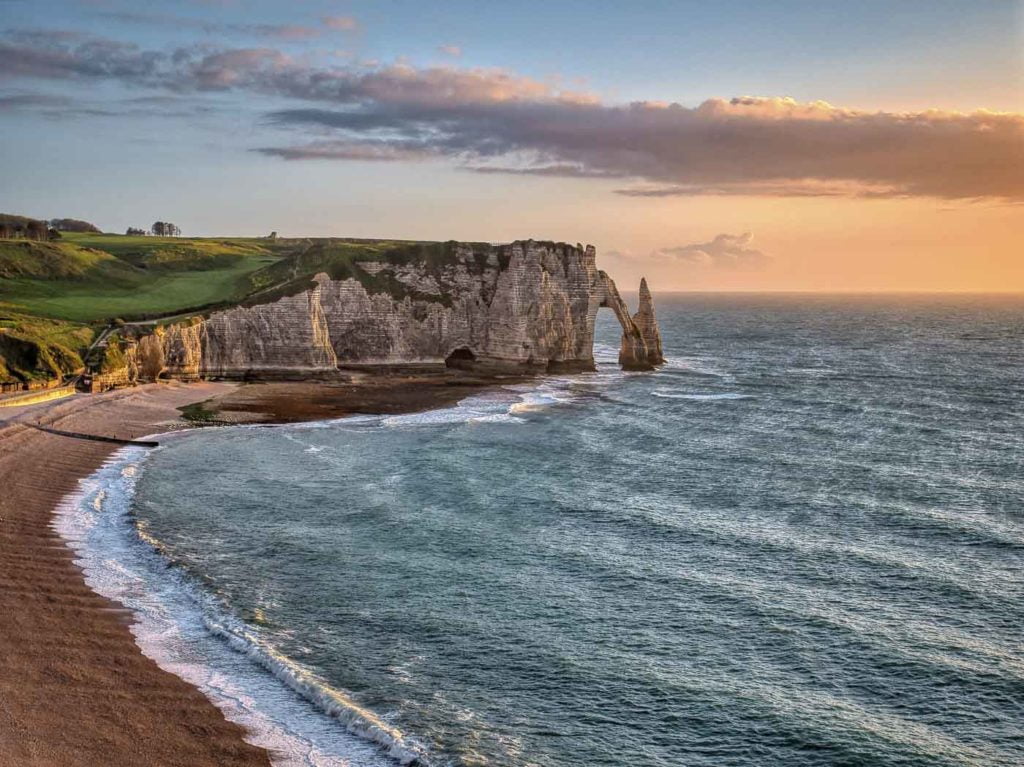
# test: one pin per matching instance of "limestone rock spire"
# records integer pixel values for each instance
(648, 326)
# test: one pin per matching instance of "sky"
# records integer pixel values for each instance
(793, 145)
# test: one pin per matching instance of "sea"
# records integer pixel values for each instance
(800, 543)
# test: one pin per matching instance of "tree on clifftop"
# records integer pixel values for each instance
(36, 230)
(73, 225)
(165, 229)
(22, 226)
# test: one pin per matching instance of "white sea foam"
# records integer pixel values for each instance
(502, 407)
(710, 397)
(540, 400)
(472, 409)
(694, 366)
(347, 421)
(605, 353)
(498, 418)
(183, 629)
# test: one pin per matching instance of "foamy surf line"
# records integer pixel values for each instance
(505, 406)
(701, 397)
(185, 632)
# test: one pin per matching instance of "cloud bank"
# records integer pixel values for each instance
(495, 121)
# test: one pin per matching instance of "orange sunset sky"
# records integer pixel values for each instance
(829, 146)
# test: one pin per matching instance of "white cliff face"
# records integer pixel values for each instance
(524, 306)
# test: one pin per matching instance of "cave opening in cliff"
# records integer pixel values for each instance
(460, 359)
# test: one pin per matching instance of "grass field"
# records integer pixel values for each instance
(94, 278)
(55, 296)
(23, 259)
(173, 253)
(93, 301)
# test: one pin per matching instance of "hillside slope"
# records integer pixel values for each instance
(37, 349)
(55, 296)
(96, 278)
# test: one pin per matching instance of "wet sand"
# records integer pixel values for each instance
(74, 687)
(387, 395)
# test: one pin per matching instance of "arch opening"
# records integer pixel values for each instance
(460, 359)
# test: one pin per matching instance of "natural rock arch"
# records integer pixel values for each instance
(641, 339)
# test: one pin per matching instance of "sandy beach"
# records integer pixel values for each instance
(74, 687)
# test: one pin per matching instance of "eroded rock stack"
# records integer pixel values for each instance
(648, 326)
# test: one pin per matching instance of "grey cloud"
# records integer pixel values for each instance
(10, 102)
(374, 151)
(778, 188)
(565, 171)
(59, 56)
(742, 147)
(64, 107)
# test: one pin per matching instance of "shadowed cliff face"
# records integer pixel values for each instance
(527, 306)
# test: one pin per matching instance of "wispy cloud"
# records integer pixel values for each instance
(725, 251)
(450, 50)
(341, 23)
(58, 107)
(373, 151)
(497, 121)
(282, 32)
(12, 102)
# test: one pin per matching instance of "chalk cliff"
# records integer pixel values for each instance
(526, 306)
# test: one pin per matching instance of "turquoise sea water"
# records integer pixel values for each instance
(799, 543)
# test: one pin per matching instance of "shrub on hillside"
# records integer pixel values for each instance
(73, 225)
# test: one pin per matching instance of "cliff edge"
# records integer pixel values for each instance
(522, 307)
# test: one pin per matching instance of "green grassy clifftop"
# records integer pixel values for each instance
(56, 296)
